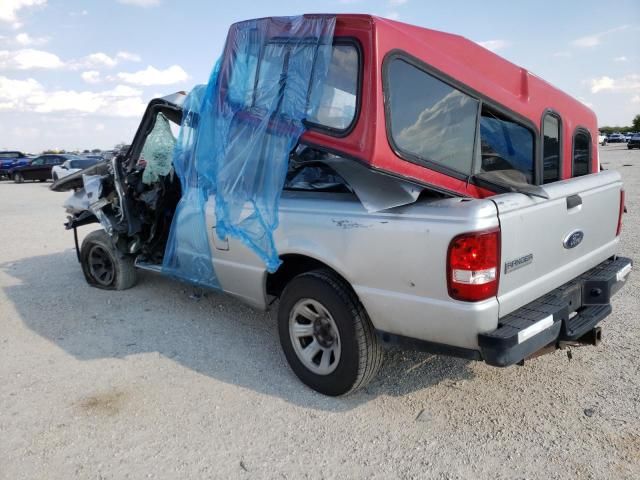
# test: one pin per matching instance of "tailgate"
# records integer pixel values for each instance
(547, 242)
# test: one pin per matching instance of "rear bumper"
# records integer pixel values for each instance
(564, 314)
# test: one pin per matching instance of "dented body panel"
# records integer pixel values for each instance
(393, 259)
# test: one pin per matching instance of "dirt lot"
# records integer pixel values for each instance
(161, 381)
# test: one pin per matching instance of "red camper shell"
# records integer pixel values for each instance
(435, 107)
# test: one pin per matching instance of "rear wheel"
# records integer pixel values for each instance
(326, 334)
(103, 265)
(18, 178)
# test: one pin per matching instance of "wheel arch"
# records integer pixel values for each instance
(294, 264)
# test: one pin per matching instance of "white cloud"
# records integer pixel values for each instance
(141, 3)
(128, 56)
(14, 92)
(99, 59)
(620, 59)
(30, 96)
(397, 3)
(152, 76)
(392, 15)
(91, 76)
(10, 8)
(102, 60)
(562, 54)
(602, 83)
(494, 45)
(29, 58)
(26, 40)
(635, 99)
(127, 107)
(596, 38)
(628, 83)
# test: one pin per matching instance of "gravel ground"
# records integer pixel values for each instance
(162, 381)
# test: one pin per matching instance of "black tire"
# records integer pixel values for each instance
(18, 178)
(42, 180)
(55, 177)
(361, 353)
(103, 265)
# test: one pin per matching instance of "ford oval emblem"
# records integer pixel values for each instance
(573, 239)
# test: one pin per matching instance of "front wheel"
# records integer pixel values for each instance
(103, 265)
(326, 334)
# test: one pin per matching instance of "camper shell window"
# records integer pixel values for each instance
(551, 147)
(505, 145)
(429, 122)
(581, 161)
(336, 102)
(441, 125)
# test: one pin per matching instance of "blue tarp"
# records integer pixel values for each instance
(237, 134)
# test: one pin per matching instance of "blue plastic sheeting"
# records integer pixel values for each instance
(187, 254)
(237, 135)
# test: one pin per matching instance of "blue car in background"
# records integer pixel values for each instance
(10, 160)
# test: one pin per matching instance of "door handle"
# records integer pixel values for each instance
(220, 243)
(574, 201)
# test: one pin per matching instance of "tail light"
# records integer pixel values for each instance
(620, 212)
(473, 266)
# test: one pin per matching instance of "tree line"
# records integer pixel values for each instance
(635, 127)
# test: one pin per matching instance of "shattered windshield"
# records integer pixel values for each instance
(157, 153)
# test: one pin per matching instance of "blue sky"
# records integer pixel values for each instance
(77, 74)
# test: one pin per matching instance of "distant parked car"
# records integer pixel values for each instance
(602, 139)
(615, 138)
(72, 166)
(108, 154)
(40, 167)
(634, 142)
(11, 159)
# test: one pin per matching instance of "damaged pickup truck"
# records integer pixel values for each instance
(387, 183)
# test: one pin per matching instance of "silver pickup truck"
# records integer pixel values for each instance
(494, 279)
(499, 265)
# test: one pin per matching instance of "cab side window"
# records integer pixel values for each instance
(551, 148)
(581, 153)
